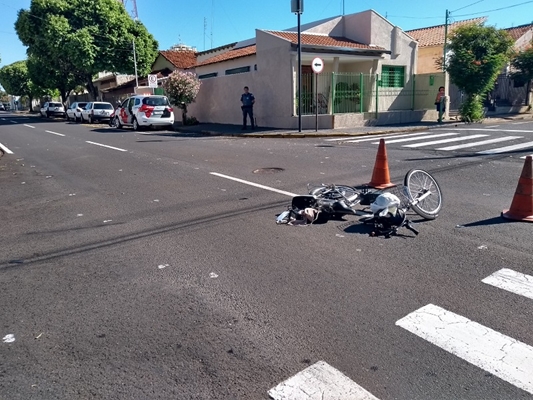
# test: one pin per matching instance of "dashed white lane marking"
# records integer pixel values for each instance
(512, 281)
(481, 143)
(3, 119)
(104, 145)
(55, 133)
(319, 381)
(5, 149)
(456, 139)
(507, 148)
(29, 126)
(523, 122)
(13, 122)
(492, 126)
(419, 138)
(366, 138)
(487, 349)
(254, 184)
(527, 155)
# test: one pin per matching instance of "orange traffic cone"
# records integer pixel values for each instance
(522, 204)
(380, 176)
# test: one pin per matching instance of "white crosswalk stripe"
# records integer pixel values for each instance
(319, 381)
(419, 138)
(507, 148)
(492, 351)
(512, 281)
(457, 139)
(465, 135)
(481, 143)
(368, 138)
(481, 346)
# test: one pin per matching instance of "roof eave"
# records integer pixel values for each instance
(341, 50)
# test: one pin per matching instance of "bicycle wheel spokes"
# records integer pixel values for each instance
(425, 193)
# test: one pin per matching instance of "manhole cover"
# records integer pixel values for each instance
(267, 170)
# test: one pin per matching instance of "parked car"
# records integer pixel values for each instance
(52, 109)
(97, 111)
(74, 111)
(145, 111)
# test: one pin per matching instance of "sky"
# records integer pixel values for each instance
(206, 24)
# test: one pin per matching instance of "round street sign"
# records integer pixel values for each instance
(317, 65)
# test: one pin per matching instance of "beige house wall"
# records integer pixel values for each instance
(427, 56)
(161, 63)
(524, 41)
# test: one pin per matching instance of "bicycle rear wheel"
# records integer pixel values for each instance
(419, 183)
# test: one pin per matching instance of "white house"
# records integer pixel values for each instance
(368, 68)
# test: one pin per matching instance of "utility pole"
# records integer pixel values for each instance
(135, 62)
(447, 17)
(443, 101)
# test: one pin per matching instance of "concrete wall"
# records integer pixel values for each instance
(426, 59)
(219, 98)
(525, 41)
(426, 89)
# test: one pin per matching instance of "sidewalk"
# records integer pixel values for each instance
(235, 130)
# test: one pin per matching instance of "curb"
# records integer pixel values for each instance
(300, 135)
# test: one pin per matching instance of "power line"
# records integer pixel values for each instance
(496, 9)
(468, 5)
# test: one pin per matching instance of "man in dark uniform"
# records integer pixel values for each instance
(247, 100)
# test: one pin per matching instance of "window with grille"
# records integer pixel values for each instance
(237, 70)
(392, 76)
(205, 76)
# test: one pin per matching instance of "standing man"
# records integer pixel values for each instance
(247, 100)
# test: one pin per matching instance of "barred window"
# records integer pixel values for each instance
(237, 70)
(205, 76)
(392, 76)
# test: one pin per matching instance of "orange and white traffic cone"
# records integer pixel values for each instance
(380, 175)
(522, 204)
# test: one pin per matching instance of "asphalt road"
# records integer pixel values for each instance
(142, 270)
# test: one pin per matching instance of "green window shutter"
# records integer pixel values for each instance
(393, 76)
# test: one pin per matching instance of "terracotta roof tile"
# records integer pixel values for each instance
(323, 40)
(181, 59)
(434, 35)
(518, 31)
(307, 38)
(230, 55)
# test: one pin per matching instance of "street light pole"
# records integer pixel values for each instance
(297, 7)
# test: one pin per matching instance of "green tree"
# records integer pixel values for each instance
(16, 81)
(522, 63)
(182, 88)
(59, 76)
(477, 55)
(77, 39)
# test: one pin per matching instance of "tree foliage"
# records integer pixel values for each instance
(73, 40)
(182, 88)
(477, 55)
(522, 63)
(16, 80)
